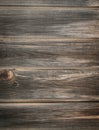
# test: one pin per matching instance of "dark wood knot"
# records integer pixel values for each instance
(8, 78)
(6, 75)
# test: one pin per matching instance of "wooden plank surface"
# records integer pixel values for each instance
(67, 85)
(54, 22)
(82, 3)
(49, 53)
(49, 65)
(68, 115)
(50, 69)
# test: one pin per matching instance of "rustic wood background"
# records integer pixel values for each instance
(49, 64)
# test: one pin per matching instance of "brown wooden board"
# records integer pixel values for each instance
(57, 53)
(49, 65)
(67, 85)
(82, 3)
(71, 116)
(53, 22)
(49, 69)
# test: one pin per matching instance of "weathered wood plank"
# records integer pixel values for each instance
(51, 2)
(83, 3)
(50, 70)
(47, 53)
(49, 21)
(84, 116)
(30, 84)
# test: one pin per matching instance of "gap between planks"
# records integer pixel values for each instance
(6, 7)
(45, 101)
(50, 6)
(42, 38)
(15, 68)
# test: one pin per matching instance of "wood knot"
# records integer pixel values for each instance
(6, 75)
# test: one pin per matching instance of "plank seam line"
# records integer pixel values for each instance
(47, 68)
(49, 7)
(49, 101)
(36, 39)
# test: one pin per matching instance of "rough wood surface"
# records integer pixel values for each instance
(49, 53)
(54, 22)
(83, 3)
(28, 83)
(50, 69)
(49, 65)
(68, 115)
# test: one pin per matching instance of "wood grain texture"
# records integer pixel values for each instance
(73, 3)
(49, 65)
(84, 116)
(55, 22)
(67, 85)
(50, 69)
(54, 53)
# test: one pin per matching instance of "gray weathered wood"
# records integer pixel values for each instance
(49, 65)
(54, 53)
(84, 116)
(50, 69)
(30, 84)
(49, 21)
(83, 3)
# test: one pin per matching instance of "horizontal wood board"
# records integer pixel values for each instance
(49, 54)
(50, 69)
(73, 84)
(68, 115)
(49, 65)
(73, 3)
(53, 22)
